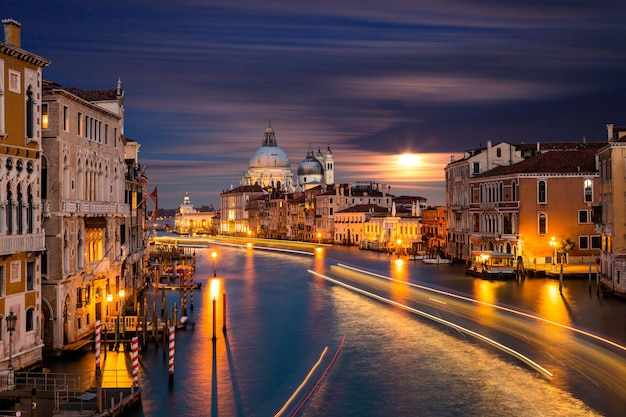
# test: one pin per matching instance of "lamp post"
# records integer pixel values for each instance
(11, 319)
(214, 257)
(399, 242)
(553, 244)
(319, 238)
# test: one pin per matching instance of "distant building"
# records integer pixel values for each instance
(434, 234)
(234, 209)
(189, 221)
(458, 175)
(22, 235)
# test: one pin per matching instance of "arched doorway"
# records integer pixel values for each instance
(47, 317)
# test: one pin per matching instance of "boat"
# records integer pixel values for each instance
(492, 265)
(175, 286)
(418, 256)
(437, 261)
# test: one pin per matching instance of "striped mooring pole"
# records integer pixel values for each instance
(98, 326)
(171, 355)
(134, 343)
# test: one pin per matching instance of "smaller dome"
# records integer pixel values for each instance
(310, 166)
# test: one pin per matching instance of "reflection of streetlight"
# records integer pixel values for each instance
(214, 257)
(319, 238)
(553, 244)
(11, 319)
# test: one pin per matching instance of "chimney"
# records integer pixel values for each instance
(609, 131)
(488, 155)
(11, 32)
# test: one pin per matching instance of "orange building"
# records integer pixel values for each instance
(539, 209)
(22, 238)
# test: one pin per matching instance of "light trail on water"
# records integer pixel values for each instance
(455, 326)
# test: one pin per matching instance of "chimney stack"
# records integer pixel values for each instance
(12, 32)
(609, 131)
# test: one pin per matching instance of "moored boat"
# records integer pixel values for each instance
(438, 260)
(492, 265)
(176, 286)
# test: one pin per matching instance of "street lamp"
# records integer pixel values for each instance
(553, 244)
(319, 238)
(399, 242)
(11, 319)
(214, 257)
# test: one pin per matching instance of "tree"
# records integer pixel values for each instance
(566, 246)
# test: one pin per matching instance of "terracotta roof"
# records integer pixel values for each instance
(93, 95)
(552, 162)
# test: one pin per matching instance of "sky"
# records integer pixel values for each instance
(395, 88)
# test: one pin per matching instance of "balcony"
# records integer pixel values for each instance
(10, 244)
(98, 267)
(94, 208)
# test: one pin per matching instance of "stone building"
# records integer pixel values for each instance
(609, 214)
(22, 237)
(87, 216)
(189, 221)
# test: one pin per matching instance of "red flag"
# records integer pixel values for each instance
(153, 195)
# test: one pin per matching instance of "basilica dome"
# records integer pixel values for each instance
(269, 155)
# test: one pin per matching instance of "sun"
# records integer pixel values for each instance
(408, 159)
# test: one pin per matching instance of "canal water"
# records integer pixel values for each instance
(280, 318)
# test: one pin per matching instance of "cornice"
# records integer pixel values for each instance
(23, 55)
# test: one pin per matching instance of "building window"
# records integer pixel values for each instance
(596, 242)
(588, 191)
(14, 82)
(541, 191)
(44, 116)
(543, 224)
(29, 320)
(583, 216)
(583, 242)
(66, 119)
(79, 121)
(30, 110)
(30, 276)
(476, 168)
(513, 191)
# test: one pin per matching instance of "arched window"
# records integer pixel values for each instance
(20, 210)
(588, 190)
(30, 104)
(542, 224)
(30, 217)
(9, 210)
(513, 191)
(541, 192)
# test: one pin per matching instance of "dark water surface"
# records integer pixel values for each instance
(280, 318)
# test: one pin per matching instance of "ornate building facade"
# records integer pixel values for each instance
(88, 195)
(22, 237)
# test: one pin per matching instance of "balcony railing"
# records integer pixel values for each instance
(98, 267)
(94, 207)
(10, 244)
